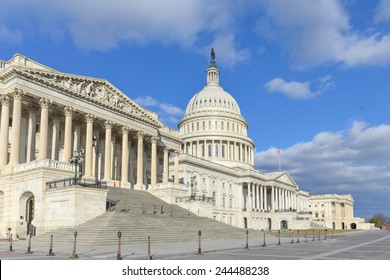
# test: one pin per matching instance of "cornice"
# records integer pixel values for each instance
(92, 90)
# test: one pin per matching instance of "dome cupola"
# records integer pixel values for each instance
(213, 127)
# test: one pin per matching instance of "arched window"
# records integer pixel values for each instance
(222, 126)
(204, 125)
(210, 152)
(216, 150)
(223, 151)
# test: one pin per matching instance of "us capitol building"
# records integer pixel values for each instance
(64, 138)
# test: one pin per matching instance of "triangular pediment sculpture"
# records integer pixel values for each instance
(94, 90)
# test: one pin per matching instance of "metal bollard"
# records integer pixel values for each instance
(199, 245)
(9, 234)
(247, 244)
(292, 237)
(279, 239)
(319, 235)
(298, 236)
(118, 255)
(264, 245)
(74, 255)
(305, 235)
(51, 246)
(149, 254)
(29, 245)
(326, 234)
(313, 235)
(10, 242)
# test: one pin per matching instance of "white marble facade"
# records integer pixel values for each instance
(207, 166)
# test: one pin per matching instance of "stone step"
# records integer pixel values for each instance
(136, 226)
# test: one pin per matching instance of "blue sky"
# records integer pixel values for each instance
(311, 77)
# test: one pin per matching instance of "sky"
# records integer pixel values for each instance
(310, 76)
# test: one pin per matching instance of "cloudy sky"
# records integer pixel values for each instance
(311, 76)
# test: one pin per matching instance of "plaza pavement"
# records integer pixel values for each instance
(354, 245)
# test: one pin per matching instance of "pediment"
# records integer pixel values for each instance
(285, 178)
(98, 91)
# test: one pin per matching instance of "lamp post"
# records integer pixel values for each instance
(76, 160)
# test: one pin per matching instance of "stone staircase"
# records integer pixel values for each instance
(137, 215)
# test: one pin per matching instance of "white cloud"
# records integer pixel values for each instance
(167, 113)
(292, 89)
(103, 25)
(299, 90)
(383, 11)
(355, 161)
(146, 101)
(314, 32)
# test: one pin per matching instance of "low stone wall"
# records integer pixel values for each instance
(72, 206)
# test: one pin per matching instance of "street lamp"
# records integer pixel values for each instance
(76, 160)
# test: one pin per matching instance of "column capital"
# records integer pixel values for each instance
(32, 107)
(140, 134)
(25, 113)
(176, 153)
(166, 150)
(18, 93)
(69, 110)
(55, 115)
(44, 102)
(125, 129)
(90, 118)
(108, 124)
(154, 139)
(5, 100)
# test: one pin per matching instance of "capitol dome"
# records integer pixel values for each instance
(213, 127)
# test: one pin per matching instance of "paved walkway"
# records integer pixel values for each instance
(365, 245)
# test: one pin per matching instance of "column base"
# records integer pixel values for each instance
(110, 182)
(140, 187)
(125, 185)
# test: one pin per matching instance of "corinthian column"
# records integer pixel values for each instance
(4, 130)
(140, 160)
(68, 110)
(31, 135)
(44, 102)
(55, 136)
(125, 155)
(153, 171)
(166, 166)
(107, 151)
(16, 122)
(89, 145)
(176, 167)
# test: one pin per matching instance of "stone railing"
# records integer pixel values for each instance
(194, 198)
(48, 163)
(67, 182)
